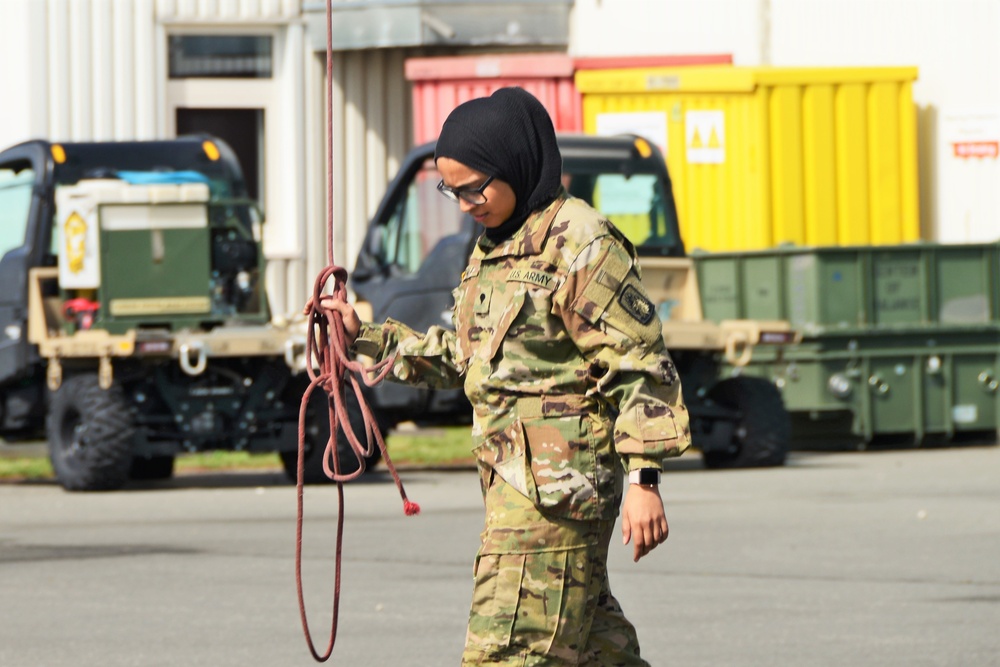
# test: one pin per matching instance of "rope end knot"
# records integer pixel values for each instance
(410, 507)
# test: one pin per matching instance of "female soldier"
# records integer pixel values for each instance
(562, 357)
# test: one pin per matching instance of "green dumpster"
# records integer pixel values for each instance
(897, 341)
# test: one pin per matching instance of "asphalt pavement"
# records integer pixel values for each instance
(860, 558)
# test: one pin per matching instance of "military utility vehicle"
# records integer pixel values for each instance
(418, 243)
(133, 320)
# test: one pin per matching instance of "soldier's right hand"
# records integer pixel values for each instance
(352, 323)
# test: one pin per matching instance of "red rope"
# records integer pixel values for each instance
(326, 345)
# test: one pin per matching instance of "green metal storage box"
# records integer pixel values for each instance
(819, 289)
(897, 341)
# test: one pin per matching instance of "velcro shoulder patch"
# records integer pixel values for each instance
(600, 290)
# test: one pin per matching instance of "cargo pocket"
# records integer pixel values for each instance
(553, 611)
(505, 454)
(495, 599)
(563, 465)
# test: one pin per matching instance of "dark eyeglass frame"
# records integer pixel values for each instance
(476, 196)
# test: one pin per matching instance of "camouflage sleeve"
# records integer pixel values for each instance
(615, 325)
(422, 360)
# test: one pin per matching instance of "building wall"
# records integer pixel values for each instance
(23, 114)
(96, 70)
(640, 27)
(952, 42)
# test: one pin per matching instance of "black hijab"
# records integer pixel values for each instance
(509, 136)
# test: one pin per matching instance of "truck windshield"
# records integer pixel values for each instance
(635, 203)
(15, 202)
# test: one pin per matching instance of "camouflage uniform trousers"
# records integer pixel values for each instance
(541, 594)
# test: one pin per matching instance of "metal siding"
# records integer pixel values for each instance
(222, 10)
(371, 135)
(377, 120)
(124, 69)
(58, 74)
(150, 73)
(434, 100)
(355, 154)
(819, 158)
(104, 54)
(80, 69)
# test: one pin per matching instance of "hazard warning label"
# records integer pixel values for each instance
(705, 130)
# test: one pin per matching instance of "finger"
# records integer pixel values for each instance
(626, 529)
(641, 544)
(666, 530)
(648, 540)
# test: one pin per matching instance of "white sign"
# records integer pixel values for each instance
(79, 240)
(705, 136)
(972, 135)
(966, 163)
(651, 125)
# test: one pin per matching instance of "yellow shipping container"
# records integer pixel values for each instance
(761, 156)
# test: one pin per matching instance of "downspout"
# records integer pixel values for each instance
(764, 31)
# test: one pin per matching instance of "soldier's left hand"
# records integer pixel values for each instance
(643, 519)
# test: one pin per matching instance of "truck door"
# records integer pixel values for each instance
(416, 249)
(19, 251)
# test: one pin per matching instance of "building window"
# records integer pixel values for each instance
(220, 56)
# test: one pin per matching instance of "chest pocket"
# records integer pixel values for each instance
(467, 306)
(506, 309)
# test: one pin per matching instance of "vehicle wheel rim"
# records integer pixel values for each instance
(73, 435)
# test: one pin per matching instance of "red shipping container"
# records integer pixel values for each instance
(441, 84)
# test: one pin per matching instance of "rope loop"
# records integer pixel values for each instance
(330, 368)
(326, 345)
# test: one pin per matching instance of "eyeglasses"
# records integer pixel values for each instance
(474, 196)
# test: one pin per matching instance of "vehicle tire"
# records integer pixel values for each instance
(151, 468)
(317, 435)
(90, 435)
(764, 431)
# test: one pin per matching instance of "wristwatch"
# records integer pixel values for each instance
(644, 477)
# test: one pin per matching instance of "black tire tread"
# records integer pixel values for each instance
(766, 422)
(103, 463)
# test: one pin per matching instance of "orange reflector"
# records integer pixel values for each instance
(211, 150)
(58, 153)
(642, 146)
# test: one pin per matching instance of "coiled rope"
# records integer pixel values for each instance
(326, 346)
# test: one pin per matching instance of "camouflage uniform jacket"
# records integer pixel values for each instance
(562, 357)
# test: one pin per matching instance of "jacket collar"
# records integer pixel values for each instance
(530, 238)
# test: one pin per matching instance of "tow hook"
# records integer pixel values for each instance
(197, 367)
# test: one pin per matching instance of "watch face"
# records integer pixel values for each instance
(649, 476)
